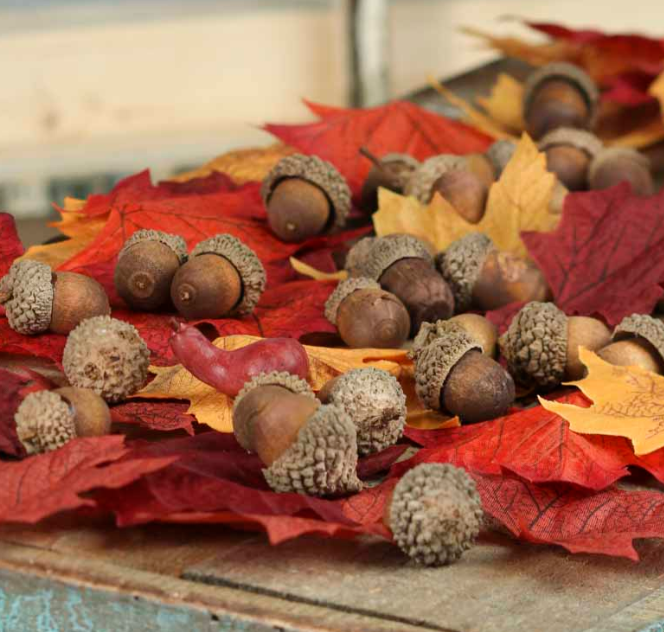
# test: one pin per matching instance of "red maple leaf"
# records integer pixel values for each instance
(10, 244)
(604, 257)
(163, 415)
(398, 126)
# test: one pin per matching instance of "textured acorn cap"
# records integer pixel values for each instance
(425, 176)
(410, 163)
(500, 153)
(27, 292)
(608, 154)
(461, 265)
(432, 331)
(375, 402)
(436, 360)
(317, 171)
(44, 422)
(293, 383)
(107, 356)
(580, 138)
(435, 514)
(357, 255)
(344, 289)
(323, 459)
(535, 345)
(642, 326)
(392, 248)
(174, 242)
(244, 260)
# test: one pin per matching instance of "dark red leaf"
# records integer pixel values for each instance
(503, 316)
(374, 464)
(629, 89)
(10, 244)
(161, 415)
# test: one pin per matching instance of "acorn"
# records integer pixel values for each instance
(392, 172)
(375, 402)
(37, 299)
(146, 266)
(404, 267)
(357, 255)
(367, 316)
(107, 356)
(47, 420)
(465, 191)
(476, 326)
(618, 164)
(306, 447)
(223, 277)
(485, 278)
(541, 345)
(559, 95)
(435, 513)
(452, 374)
(568, 153)
(421, 183)
(500, 153)
(305, 196)
(637, 341)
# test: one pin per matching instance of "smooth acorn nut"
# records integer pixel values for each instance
(637, 341)
(304, 196)
(421, 183)
(465, 191)
(307, 448)
(568, 155)
(37, 299)
(392, 172)
(485, 278)
(559, 95)
(499, 154)
(367, 316)
(481, 166)
(481, 329)
(146, 266)
(613, 165)
(222, 277)
(583, 331)
(404, 267)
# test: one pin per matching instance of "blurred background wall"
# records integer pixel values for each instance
(93, 90)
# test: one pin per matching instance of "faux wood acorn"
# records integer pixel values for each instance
(47, 420)
(305, 196)
(36, 299)
(434, 513)
(559, 95)
(404, 267)
(637, 341)
(484, 278)
(542, 344)
(613, 165)
(307, 448)
(146, 266)
(367, 316)
(375, 402)
(223, 277)
(391, 171)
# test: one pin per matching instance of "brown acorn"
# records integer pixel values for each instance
(146, 266)
(465, 191)
(637, 341)
(500, 153)
(222, 277)
(613, 165)
(305, 196)
(481, 329)
(392, 172)
(559, 95)
(404, 267)
(421, 183)
(484, 278)
(37, 299)
(367, 316)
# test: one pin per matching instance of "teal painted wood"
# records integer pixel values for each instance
(35, 604)
(658, 626)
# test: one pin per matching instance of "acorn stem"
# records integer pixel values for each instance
(372, 157)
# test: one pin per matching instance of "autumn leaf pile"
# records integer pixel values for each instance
(551, 473)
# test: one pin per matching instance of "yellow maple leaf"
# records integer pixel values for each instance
(519, 201)
(627, 402)
(317, 275)
(505, 103)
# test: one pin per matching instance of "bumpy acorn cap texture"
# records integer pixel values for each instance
(461, 265)
(317, 171)
(107, 356)
(392, 248)
(27, 294)
(432, 331)
(410, 162)
(435, 362)
(608, 154)
(535, 345)
(500, 153)
(435, 514)
(377, 405)
(642, 326)
(44, 422)
(580, 138)
(357, 255)
(244, 260)
(323, 459)
(174, 242)
(343, 290)
(425, 176)
(568, 72)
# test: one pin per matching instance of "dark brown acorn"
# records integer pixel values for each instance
(391, 171)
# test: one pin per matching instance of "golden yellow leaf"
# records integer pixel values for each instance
(627, 402)
(243, 165)
(317, 275)
(519, 201)
(505, 103)
(215, 409)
